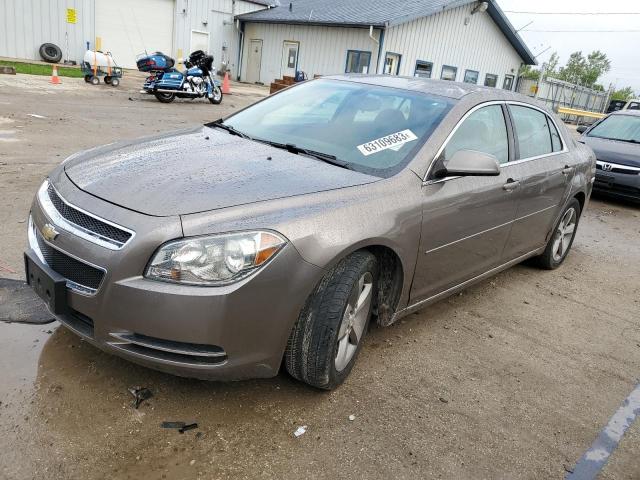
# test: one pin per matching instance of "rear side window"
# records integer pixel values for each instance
(532, 131)
(556, 142)
(483, 131)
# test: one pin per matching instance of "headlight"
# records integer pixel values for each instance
(215, 259)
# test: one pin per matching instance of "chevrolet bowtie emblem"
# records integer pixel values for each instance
(49, 232)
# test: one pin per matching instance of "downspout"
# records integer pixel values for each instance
(240, 47)
(379, 43)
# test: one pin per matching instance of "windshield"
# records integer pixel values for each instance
(371, 129)
(625, 128)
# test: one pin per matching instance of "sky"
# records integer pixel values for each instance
(622, 48)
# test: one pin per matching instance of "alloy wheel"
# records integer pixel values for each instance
(354, 320)
(563, 234)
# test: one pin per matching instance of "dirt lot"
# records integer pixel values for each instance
(514, 378)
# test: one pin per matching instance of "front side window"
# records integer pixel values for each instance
(483, 131)
(508, 82)
(624, 128)
(633, 106)
(449, 73)
(490, 80)
(423, 69)
(372, 129)
(471, 76)
(358, 61)
(532, 131)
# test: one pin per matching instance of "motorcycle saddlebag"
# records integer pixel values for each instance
(156, 61)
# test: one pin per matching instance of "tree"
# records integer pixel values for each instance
(551, 66)
(528, 72)
(625, 93)
(585, 71)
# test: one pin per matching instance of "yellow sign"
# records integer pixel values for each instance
(71, 15)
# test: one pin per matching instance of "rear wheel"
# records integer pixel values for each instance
(562, 238)
(115, 82)
(216, 96)
(327, 338)
(165, 97)
(87, 78)
(94, 80)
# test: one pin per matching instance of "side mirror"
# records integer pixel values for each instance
(472, 163)
(581, 128)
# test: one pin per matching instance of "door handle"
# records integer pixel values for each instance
(511, 185)
(567, 170)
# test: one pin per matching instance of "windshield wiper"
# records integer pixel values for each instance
(325, 157)
(219, 124)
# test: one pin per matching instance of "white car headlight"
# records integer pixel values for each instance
(215, 259)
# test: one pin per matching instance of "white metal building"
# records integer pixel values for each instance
(462, 40)
(125, 28)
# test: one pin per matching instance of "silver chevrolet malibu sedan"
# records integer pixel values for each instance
(276, 235)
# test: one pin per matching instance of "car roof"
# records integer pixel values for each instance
(444, 88)
(635, 113)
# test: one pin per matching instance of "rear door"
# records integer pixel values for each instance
(544, 170)
(466, 220)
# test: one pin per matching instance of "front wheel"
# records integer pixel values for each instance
(327, 337)
(216, 95)
(165, 97)
(562, 238)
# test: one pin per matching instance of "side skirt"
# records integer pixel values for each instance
(450, 291)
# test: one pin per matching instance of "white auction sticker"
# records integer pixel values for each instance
(393, 141)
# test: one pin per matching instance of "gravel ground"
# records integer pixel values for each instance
(513, 378)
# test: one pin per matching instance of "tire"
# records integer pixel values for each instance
(115, 82)
(165, 97)
(87, 78)
(552, 258)
(94, 80)
(50, 52)
(321, 350)
(216, 99)
(107, 79)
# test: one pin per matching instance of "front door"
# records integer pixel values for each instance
(254, 62)
(544, 170)
(391, 63)
(466, 220)
(289, 58)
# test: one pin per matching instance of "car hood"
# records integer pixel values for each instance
(199, 170)
(623, 153)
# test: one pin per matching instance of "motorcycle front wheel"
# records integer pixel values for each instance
(165, 97)
(216, 97)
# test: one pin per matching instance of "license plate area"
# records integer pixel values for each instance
(49, 285)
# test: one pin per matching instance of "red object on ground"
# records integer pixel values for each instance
(226, 87)
(55, 79)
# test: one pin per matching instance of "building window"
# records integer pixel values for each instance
(449, 73)
(357, 61)
(490, 80)
(508, 82)
(423, 69)
(471, 76)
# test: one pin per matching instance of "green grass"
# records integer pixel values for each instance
(37, 69)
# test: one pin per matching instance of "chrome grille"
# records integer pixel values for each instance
(82, 276)
(87, 222)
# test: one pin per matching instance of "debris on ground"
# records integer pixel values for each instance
(300, 431)
(140, 394)
(187, 427)
(35, 115)
(177, 425)
(352, 418)
(444, 400)
(180, 426)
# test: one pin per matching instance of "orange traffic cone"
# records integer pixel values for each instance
(226, 87)
(55, 79)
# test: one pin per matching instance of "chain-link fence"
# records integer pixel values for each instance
(558, 93)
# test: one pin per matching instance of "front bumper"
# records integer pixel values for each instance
(216, 333)
(619, 180)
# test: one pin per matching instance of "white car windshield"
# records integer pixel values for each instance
(368, 128)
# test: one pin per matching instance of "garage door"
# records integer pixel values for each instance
(130, 27)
